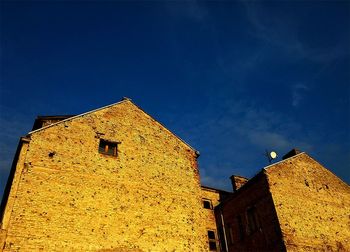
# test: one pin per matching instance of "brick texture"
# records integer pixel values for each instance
(2, 238)
(209, 221)
(240, 236)
(70, 197)
(312, 204)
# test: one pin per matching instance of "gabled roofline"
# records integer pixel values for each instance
(73, 117)
(39, 120)
(283, 160)
(125, 99)
(183, 141)
(316, 161)
(261, 172)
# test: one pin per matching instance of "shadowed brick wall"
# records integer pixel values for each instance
(250, 221)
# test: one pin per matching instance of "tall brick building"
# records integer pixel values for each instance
(114, 179)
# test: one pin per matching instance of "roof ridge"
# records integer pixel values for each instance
(125, 99)
(283, 160)
(79, 115)
(196, 151)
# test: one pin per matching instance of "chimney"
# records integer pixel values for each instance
(237, 182)
(292, 153)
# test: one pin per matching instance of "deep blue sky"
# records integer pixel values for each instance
(230, 78)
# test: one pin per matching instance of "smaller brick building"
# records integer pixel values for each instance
(293, 205)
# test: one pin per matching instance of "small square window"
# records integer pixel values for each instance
(212, 246)
(207, 204)
(211, 234)
(108, 148)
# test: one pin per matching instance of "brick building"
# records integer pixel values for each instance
(294, 205)
(114, 179)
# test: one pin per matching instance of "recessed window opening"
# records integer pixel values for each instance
(207, 204)
(252, 219)
(230, 234)
(212, 246)
(240, 227)
(108, 148)
(212, 240)
(211, 234)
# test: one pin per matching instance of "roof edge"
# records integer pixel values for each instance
(245, 186)
(183, 141)
(76, 116)
(283, 160)
(330, 171)
(125, 99)
(214, 189)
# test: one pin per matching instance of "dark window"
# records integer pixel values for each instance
(212, 245)
(211, 234)
(207, 204)
(252, 220)
(212, 240)
(230, 234)
(108, 148)
(221, 237)
(240, 227)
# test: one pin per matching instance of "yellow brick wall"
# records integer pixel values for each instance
(146, 199)
(312, 204)
(20, 165)
(208, 214)
(2, 237)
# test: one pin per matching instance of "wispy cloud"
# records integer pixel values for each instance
(268, 129)
(298, 93)
(238, 132)
(283, 32)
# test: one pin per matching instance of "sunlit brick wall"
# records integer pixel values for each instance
(312, 204)
(209, 222)
(73, 198)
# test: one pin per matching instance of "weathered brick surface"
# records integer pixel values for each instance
(239, 237)
(209, 221)
(2, 237)
(18, 169)
(312, 204)
(76, 199)
(237, 182)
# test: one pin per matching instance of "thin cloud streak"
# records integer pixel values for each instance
(282, 32)
(238, 127)
(298, 93)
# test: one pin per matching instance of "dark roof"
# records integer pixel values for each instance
(40, 119)
(291, 153)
